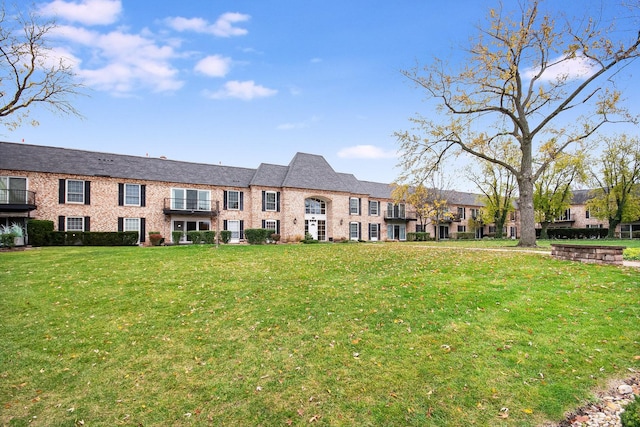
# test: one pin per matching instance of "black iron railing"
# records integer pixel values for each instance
(17, 200)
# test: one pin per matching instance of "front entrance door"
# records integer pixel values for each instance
(444, 232)
(234, 227)
(312, 228)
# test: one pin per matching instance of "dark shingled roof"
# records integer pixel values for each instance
(269, 175)
(312, 172)
(462, 199)
(37, 158)
(580, 197)
(306, 171)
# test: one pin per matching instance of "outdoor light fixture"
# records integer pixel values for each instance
(295, 220)
(340, 222)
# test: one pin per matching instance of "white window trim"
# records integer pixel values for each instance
(357, 227)
(273, 222)
(237, 192)
(266, 201)
(139, 194)
(128, 220)
(377, 208)
(356, 206)
(66, 223)
(66, 192)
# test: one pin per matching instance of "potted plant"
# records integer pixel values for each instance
(155, 238)
(18, 234)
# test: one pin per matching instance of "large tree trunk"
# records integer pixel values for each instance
(544, 226)
(527, 213)
(613, 223)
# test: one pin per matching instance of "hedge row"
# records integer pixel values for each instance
(92, 238)
(418, 236)
(576, 233)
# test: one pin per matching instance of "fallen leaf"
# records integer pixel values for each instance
(581, 419)
(528, 411)
(314, 418)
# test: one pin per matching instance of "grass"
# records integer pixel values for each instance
(335, 335)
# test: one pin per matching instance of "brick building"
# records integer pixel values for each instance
(92, 191)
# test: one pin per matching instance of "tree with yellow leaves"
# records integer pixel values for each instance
(537, 79)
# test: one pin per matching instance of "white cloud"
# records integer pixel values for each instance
(298, 125)
(223, 27)
(578, 68)
(121, 62)
(87, 12)
(214, 66)
(366, 152)
(246, 90)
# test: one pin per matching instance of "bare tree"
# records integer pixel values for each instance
(30, 71)
(513, 86)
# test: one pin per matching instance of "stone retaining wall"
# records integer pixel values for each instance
(589, 254)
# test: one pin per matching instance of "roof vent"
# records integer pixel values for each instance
(163, 157)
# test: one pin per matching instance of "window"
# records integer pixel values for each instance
(271, 201)
(587, 214)
(462, 213)
(75, 191)
(314, 207)
(566, 216)
(188, 199)
(271, 224)
(131, 196)
(462, 229)
(374, 208)
(132, 224)
(354, 230)
(13, 190)
(395, 211)
(354, 206)
(75, 223)
(475, 213)
(594, 226)
(512, 216)
(374, 231)
(233, 200)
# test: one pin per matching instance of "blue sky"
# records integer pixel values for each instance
(246, 82)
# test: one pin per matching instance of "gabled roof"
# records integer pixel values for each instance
(312, 172)
(580, 197)
(462, 198)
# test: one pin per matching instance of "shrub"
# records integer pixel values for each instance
(176, 236)
(631, 415)
(257, 236)
(275, 238)
(225, 236)
(208, 237)
(155, 238)
(7, 237)
(194, 237)
(39, 231)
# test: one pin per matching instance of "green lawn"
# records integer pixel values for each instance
(335, 335)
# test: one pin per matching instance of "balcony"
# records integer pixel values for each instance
(17, 200)
(397, 215)
(188, 206)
